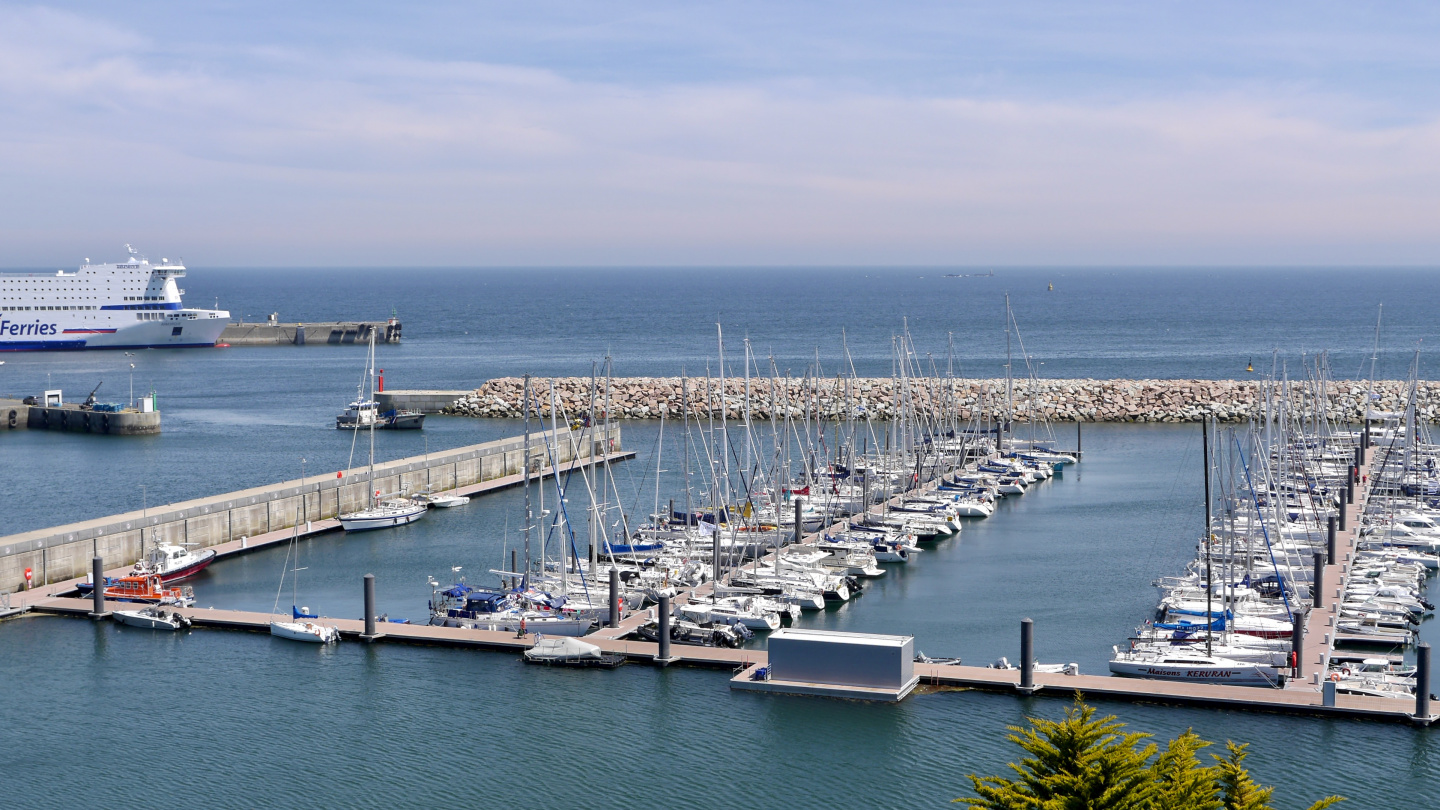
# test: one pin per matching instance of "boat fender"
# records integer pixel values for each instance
(1335, 676)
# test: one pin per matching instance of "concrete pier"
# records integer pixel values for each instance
(16, 415)
(326, 333)
(62, 554)
(932, 677)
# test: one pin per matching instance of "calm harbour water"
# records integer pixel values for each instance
(243, 720)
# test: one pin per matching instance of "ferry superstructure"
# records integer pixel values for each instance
(124, 305)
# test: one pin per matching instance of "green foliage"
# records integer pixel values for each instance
(1087, 763)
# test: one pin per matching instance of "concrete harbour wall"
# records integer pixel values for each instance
(64, 552)
(1054, 400)
(417, 400)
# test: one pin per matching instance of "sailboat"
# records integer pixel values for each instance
(386, 512)
(300, 627)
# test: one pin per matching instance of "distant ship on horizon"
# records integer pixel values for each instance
(124, 305)
(987, 274)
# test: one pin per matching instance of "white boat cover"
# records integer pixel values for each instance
(562, 647)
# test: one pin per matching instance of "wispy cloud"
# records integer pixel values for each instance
(268, 151)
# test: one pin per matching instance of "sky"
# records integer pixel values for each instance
(727, 133)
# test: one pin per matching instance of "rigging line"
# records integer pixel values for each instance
(636, 485)
(560, 490)
(1260, 516)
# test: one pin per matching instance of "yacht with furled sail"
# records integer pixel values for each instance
(130, 304)
(380, 512)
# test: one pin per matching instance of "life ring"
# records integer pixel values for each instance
(1335, 676)
(1344, 670)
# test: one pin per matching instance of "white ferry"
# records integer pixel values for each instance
(127, 305)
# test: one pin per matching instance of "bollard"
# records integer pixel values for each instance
(1027, 656)
(614, 598)
(663, 656)
(97, 567)
(1331, 546)
(1422, 682)
(1316, 586)
(1297, 640)
(370, 634)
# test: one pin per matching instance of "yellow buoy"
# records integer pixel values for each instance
(1052, 286)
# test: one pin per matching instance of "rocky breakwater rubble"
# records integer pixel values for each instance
(1052, 400)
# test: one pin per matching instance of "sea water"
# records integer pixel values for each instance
(215, 718)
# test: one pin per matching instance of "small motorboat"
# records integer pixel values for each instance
(686, 632)
(570, 652)
(922, 658)
(152, 618)
(1071, 668)
(446, 501)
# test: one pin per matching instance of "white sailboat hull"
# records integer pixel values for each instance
(305, 631)
(381, 518)
(1234, 673)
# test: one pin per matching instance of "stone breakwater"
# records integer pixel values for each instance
(1054, 400)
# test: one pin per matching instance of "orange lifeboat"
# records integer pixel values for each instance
(150, 589)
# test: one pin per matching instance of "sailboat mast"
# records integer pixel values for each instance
(1009, 377)
(561, 522)
(1209, 591)
(374, 415)
(685, 410)
(525, 475)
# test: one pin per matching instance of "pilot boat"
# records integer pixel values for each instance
(174, 563)
(150, 589)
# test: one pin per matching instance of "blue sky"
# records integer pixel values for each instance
(585, 133)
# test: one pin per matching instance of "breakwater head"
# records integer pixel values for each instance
(112, 420)
(1059, 400)
(324, 333)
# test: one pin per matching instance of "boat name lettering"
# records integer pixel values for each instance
(37, 328)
